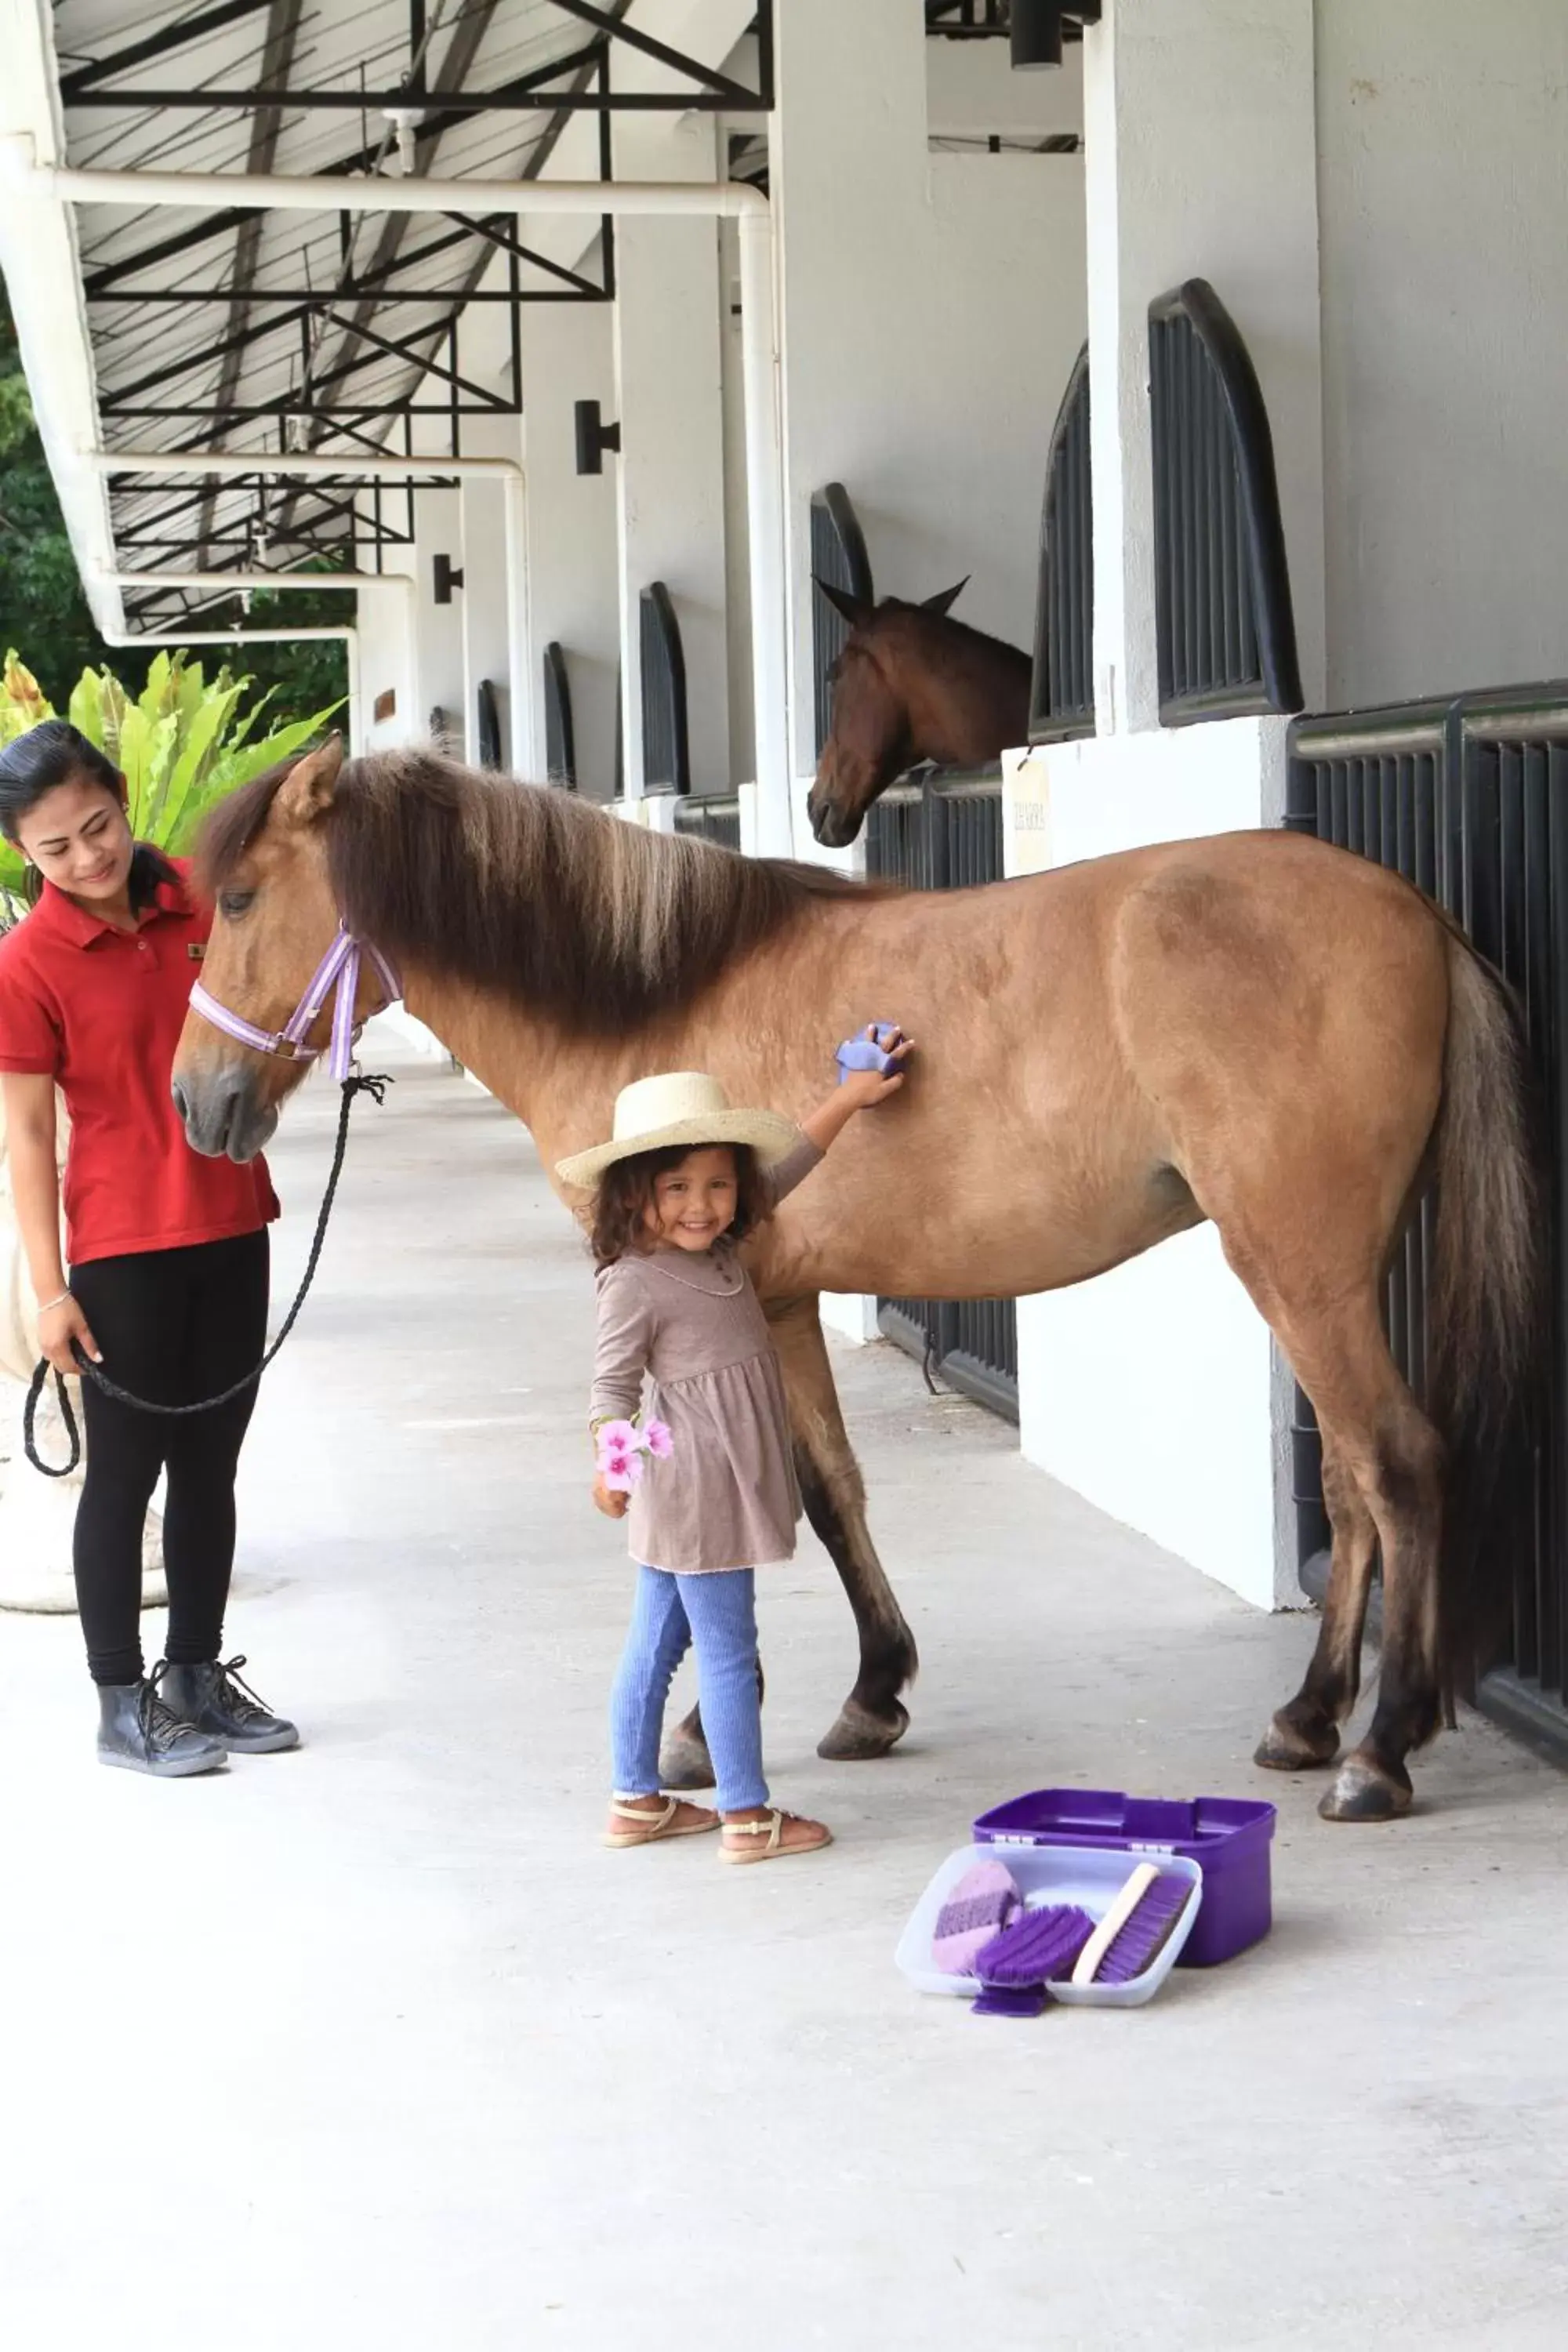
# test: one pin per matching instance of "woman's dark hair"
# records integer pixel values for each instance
(626, 1190)
(55, 752)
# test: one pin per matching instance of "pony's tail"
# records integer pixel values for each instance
(1486, 1323)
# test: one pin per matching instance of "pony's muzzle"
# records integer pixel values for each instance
(221, 1114)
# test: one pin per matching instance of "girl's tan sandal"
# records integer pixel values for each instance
(770, 1840)
(676, 1818)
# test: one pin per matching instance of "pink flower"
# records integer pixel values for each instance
(659, 1441)
(621, 1472)
(617, 1437)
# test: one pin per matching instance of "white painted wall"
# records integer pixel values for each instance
(971, 89)
(1443, 145)
(1148, 1390)
(932, 306)
(670, 405)
(1201, 162)
(573, 596)
(385, 657)
(437, 628)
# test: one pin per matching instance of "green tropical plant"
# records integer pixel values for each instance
(181, 744)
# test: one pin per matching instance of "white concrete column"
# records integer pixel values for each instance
(573, 576)
(931, 308)
(1151, 1390)
(668, 403)
(1201, 158)
(493, 602)
(385, 655)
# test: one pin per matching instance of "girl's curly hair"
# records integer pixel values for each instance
(627, 1193)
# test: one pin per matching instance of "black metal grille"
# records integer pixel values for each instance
(1470, 798)
(1226, 629)
(838, 557)
(665, 754)
(712, 818)
(943, 830)
(1061, 691)
(560, 743)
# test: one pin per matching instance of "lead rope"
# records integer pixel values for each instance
(353, 1086)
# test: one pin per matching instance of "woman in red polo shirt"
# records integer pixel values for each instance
(168, 1250)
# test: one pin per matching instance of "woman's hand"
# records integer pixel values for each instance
(611, 1500)
(58, 1327)
(862, 1089)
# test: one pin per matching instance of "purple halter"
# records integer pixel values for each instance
(338, 971)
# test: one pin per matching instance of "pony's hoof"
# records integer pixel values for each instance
(685, 1763)
(859, 1735)
(1366, 1792)
(1288, 1746)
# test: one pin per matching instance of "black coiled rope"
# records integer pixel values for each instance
(352, 1086)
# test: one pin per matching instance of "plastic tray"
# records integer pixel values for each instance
(1228, 1837)
(1087, 1875)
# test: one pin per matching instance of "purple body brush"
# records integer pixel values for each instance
(1134, 1931)
(1038, 1949)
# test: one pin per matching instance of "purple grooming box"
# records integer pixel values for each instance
(1228, 1837)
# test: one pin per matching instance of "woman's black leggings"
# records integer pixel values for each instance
(172, 1326)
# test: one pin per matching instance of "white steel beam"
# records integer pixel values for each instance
(28, 168)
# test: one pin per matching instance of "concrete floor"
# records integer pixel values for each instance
(373, 2046)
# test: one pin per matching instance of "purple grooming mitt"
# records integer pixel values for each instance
(984, 1900)
(1038, 1948)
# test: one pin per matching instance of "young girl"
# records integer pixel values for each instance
(682, 1184)
(168, 1251)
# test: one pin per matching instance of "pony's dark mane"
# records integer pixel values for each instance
(527, 890)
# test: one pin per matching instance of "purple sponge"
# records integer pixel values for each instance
(982, 1901)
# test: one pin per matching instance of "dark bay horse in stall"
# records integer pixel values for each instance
(912, 684)
(1111, 1053)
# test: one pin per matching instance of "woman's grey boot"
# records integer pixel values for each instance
(139, 1733)
(215, 1702)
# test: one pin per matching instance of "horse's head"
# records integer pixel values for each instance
(870, 740)
(275, 918)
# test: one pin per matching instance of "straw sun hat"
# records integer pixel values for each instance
(682, 1107)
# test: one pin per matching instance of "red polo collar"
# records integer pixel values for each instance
(68, 920)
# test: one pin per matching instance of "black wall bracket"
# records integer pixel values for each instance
(594, 437)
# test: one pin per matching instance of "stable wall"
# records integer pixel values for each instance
(1443, 193)
(932, 305)
(573, 576)
(1150, 1390)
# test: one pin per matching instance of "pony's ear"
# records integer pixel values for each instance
(944, 602)
(854, 609)
(306, 791)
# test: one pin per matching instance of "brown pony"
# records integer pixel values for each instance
(1110, 1053)
(911, 685)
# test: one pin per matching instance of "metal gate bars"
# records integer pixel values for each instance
(943, 830)
(1470, 798)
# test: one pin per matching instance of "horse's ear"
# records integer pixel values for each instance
(854, 609)
(943, 602)
(306, 791)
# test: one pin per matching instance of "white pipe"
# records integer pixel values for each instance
(244, 580)
(231, 465)
(279, 192)
(217, 636)
(727, 199)
(347, 634)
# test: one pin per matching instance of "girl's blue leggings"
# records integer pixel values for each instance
(717, 1612)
